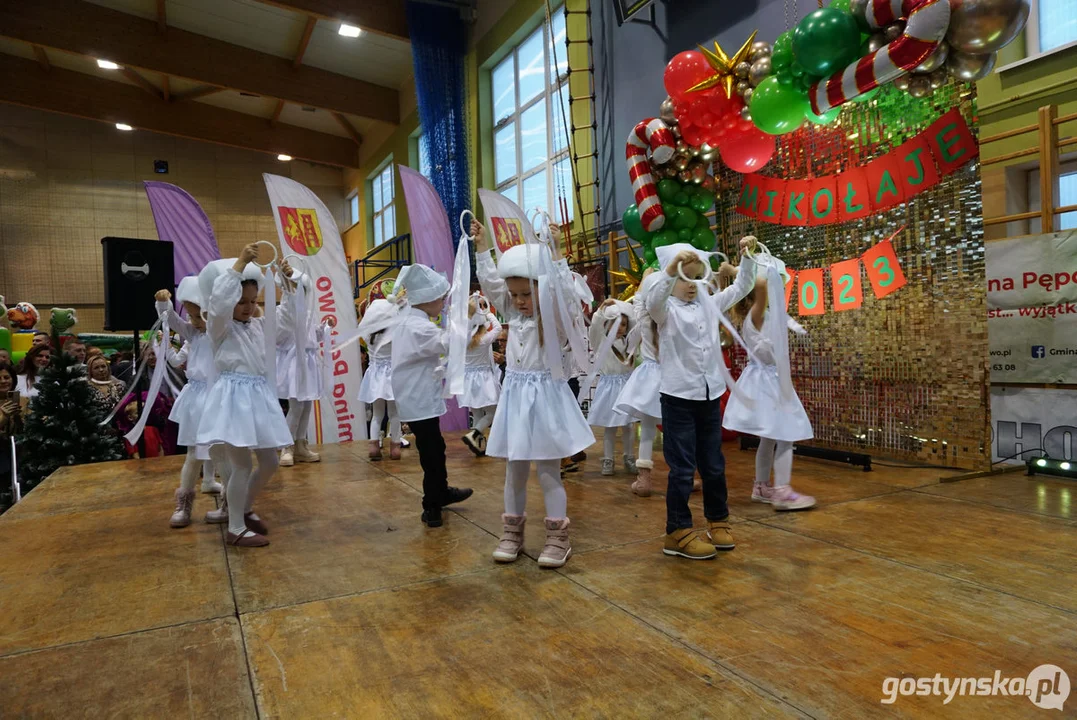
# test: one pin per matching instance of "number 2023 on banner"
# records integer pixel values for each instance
(883, 269)
(847, 292)
(810, 291)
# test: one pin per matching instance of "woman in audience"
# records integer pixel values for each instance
(109, 389)
(30, 369)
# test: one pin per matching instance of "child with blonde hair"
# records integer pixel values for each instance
(614, 363)
(482, 388)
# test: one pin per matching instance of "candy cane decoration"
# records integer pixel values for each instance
(927, 22)
(651, 134)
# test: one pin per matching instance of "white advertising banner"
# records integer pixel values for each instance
(307, 228)
(1031, 422)
(1032, 308)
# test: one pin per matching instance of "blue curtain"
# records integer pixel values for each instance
(438, 47)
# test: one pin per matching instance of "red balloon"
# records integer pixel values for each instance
(747, 152)
(685, 70)
(717, 102)
(692, 135)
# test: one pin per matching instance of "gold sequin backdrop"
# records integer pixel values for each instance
(904, 376)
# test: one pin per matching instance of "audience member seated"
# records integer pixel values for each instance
(10, 411)
(76, 349)
(109, 389)
(30, 369)
(41, 338)
(5, 357)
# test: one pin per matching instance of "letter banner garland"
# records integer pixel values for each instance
(845, 290)
(883, 183)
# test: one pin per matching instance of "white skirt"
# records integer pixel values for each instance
(640, 397)
(770, 418)
(602, 412)
(481, 387)
(377, 382)
(187, 413)
(292, 386)
(537, 418)
(243, 411)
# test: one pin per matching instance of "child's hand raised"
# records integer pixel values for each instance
(162, 296)
(249, 253)
(748, 242)
(685, 259)
(479, 233)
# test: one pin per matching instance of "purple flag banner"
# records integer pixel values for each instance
(181, 220)
(431, 241)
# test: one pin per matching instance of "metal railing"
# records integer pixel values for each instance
(399, 255)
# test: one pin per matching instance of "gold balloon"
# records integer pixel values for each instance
(919, 86)
(979, 27)
(970, 67)
(745, 114)
(681, 147)
(693, 151)
(666, 112)
(902, 82)
(893, 31)
(876, 41)
(935, 60)
(680, 162)
(676, 130)
(760, 49)
(741, 87)
(742, 69)
(938, 78)
(699, 172)
(709, 184)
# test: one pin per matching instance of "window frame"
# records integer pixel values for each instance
(377, 214)
(1032, 35)
(551, 90)
(352, 221)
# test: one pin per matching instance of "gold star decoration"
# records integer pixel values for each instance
(631, 276)
(723, 65)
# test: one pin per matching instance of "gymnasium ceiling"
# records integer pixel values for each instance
(268, 75)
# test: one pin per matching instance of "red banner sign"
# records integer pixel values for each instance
(886, 181)
(846, 289)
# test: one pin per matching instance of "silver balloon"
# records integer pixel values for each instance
(745, 114)
(680, 161)
(935, 60)
(985, 26)
(681, 147)
(693, 151)
(902, 82)
(666, 112)
(748, 96)
(741, 87)
(707, 154)
(938, 78)
(893, 31)
(760, 49)
(741, 69)
(676, 130)
(964, 66)
(698, 173)
(858, 9)
(876, 41)
(684, 176)
(919, 86)
(759, 71)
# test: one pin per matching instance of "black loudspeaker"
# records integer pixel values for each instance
(134, 271)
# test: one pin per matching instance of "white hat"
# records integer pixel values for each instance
(524, 261)
(380, 315)
(189, 291)
(216, 268)
(666, 253)
(422, 284)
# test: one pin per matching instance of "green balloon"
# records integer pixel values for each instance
(826, 41)
(701, 203)
(681, 198)
(703, 222)
(668, 189)
(796, 69)
(665, 237)
(686, 219)
(826, 118)
(842, 5)
(649, 256)
(786, 79)
(783, 41)
(634, 226)
(777, 109)
(703, 239)
(684, 235)
(867, 96)
(804, 82)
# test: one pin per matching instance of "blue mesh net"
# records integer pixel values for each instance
(438, 47)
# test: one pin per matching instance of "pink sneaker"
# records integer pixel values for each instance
(762, 493)
(785, 498)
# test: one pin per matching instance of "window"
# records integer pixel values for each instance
(424, 159)
(1067, 195)
(383, 217)
(531, 143)
(1051, 24)
(353, 209)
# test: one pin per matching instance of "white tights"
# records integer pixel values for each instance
(777, 454)
(609, 440)
(220, 463)
(378, 415)
(189, 473)
(648, 430)
(246, 482)
(482, 418)
(549, 474)
(299, 418)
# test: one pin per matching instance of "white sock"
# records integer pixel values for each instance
(238, 484)
(516, 474)
(553, 490)
(764, 461)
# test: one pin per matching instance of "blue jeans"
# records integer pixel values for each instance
(692, 432)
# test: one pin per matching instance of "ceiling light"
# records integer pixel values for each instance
(349, 30)
(124, 126)
(107, 65)
(284, 158)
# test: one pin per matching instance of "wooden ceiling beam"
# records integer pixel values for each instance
(73, 93)
(42, 58)
(141, 82)
(304, 41)
(134, 42)
(346, 124)
(384, 17)
(276, 112)
(196, 93)
(162, 19)
(166, 88)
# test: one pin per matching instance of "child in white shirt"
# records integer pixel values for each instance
(299, 378)
(616, 367)
(482, 388)
(376, 389)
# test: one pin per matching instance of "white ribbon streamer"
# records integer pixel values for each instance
(159, 373)
(603, 351)
(15, 489)
(269, 326)
(458, 319)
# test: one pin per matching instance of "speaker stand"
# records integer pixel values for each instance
(750, 442)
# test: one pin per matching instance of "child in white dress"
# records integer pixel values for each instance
(537, 417)
(640, 397)
(241, 410)
(777, 417)
(614, 369)
(299, 379)
(482, 388)
(376, 389)
(197, 353)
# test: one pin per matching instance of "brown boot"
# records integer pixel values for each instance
(375, 449)
(557, 549)
(512, 538)
(642, 486)
(720, 535)
(685, 543)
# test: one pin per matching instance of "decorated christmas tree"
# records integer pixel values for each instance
(63, 425)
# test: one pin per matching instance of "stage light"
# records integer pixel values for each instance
(124, 126)
(107, 65)
(1049, 466)
(1064, 466)
(1041, 462)
(284, 158)
(349, 31)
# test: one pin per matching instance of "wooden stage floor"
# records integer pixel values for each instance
(356, 610)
